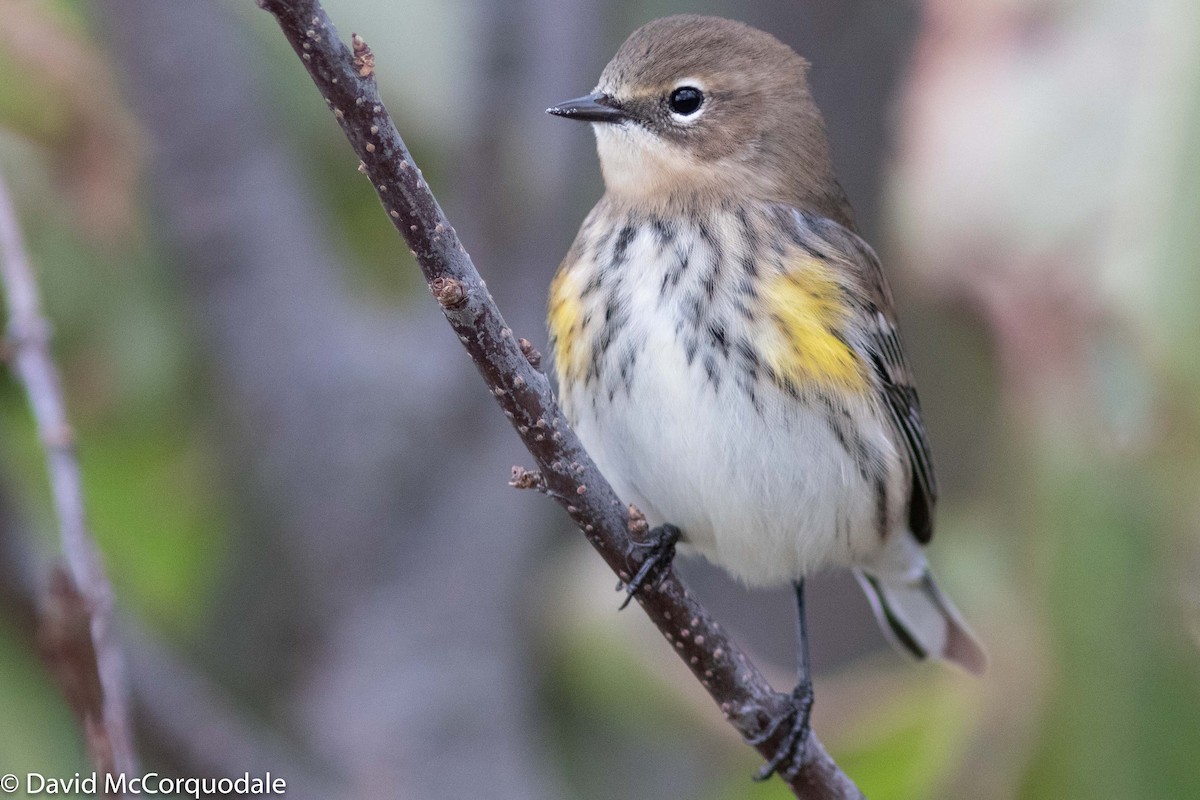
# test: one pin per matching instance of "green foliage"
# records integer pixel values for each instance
(152, 499)
(912, 742)
(1127, 688)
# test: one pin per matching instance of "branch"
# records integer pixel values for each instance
(193, 724)
(77, 620)
(345, 78)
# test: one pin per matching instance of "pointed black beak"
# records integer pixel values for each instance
(596, 107)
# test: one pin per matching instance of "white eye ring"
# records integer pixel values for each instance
(687, 101)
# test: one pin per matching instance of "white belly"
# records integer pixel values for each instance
(766, 486)
(770, 494)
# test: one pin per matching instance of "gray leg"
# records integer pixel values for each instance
(790, 754)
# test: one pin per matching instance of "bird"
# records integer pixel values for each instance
(725, 342)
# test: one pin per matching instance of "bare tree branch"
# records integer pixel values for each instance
(345, 78)
(82, 593)
(191, 722)
(338, 447)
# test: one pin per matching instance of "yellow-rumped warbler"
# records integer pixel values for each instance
(725, 342)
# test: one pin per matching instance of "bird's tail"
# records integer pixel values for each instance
(918, 619)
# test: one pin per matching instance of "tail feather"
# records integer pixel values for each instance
(918, 619)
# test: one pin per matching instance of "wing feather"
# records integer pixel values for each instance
(880, 344)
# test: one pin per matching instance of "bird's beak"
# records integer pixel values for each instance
(597, 107)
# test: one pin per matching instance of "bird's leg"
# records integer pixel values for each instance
(661, 544)
(790, 754)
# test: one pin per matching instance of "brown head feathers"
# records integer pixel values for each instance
(702, 109)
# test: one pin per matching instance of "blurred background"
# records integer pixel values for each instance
(299, 481)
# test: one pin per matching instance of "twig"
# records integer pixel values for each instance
(83, 589)
(525, 395)
(194, 725)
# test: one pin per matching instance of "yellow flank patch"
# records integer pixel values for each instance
(565, 318)
(806, 307)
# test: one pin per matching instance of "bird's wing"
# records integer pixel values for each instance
(880, 345)
(887, 359)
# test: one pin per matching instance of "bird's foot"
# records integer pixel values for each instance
(791, 752)
(662, 541)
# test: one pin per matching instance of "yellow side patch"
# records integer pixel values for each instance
(565, 319)
(805, 307)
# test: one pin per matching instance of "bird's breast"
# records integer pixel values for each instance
(701, 378)
(731, 289)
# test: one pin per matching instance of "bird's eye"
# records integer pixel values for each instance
(686, 100)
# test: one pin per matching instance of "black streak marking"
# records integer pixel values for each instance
(748, 353)
(716, 332)
(710, 369)
(623, 239)
(593, 284)
(881, 507)
(664, 233)
(902, 634)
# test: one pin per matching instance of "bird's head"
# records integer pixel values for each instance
(696, 108)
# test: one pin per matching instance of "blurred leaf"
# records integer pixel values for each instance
(1128, 688)
(909, 747)
(60, 92)
(148, 500)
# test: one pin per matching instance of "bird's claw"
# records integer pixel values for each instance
(791, 753)
(662, 541)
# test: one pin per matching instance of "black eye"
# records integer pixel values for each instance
(686, 100)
